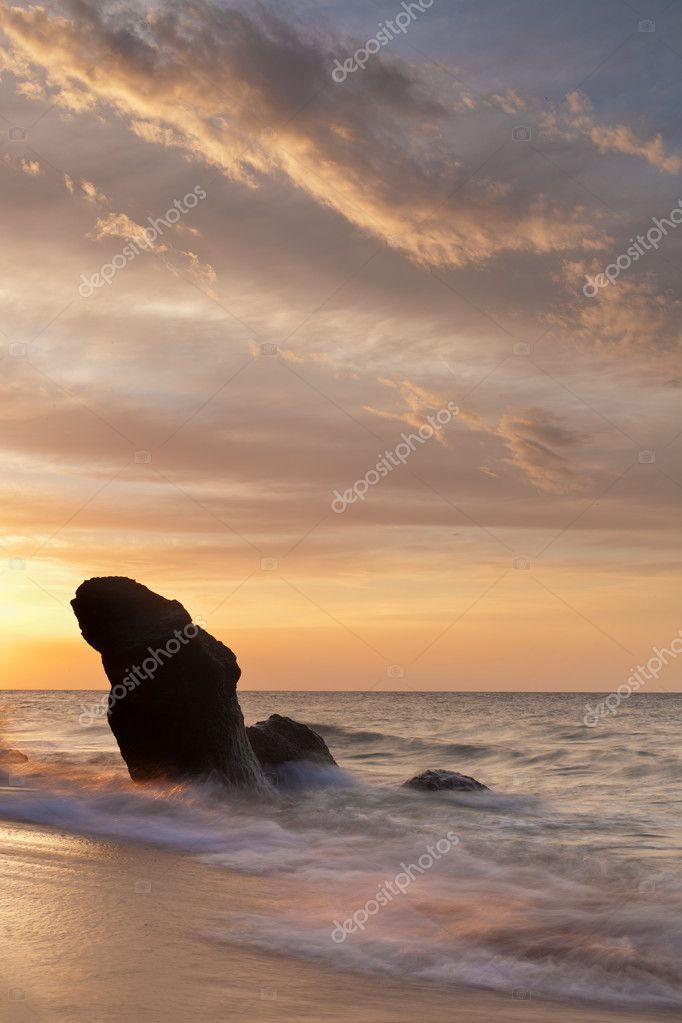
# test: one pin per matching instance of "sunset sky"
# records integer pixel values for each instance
(367, 251)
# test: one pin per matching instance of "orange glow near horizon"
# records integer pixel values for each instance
(347, 399)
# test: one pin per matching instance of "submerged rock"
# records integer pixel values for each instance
(173, 703)
(437, 781)
(12, 756)
(280, 740)
(10, 759)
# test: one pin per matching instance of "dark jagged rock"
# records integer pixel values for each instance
(280, 740)
(173, 703)
(439, 781)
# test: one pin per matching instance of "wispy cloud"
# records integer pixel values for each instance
(575, 119)
(536, 439)
(259, 101)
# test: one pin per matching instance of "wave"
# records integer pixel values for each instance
(573, 894)
(398, 743)
(508, 907)
(614, 961)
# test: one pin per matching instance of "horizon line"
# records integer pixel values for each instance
(396, 692)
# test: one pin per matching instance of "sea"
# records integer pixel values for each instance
(562, 879)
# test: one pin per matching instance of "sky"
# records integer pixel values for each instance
(354, 326)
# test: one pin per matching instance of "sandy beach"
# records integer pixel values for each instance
(97, 930)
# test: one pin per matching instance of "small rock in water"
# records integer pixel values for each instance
(280, 740)
(12, 756)
(437, 781)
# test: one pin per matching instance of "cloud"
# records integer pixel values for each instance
(92, 193)
(202, 274)
(509, 101)
(86, 190)
(575, 119)
(634, 315)
(420, 404)
(185, 264)
(30, 167)
(120, 225)
(532, 435)
(253, 96)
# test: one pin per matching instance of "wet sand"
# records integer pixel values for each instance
(101, 932)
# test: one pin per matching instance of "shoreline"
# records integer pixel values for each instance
(75, 905)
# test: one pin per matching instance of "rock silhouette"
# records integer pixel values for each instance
(437, 781)
(173, 703)
(280, 740)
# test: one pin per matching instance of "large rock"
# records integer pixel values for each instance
(173, 703)
(438, 781)
(280, 740)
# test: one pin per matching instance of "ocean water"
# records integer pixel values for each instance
(563, 880)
